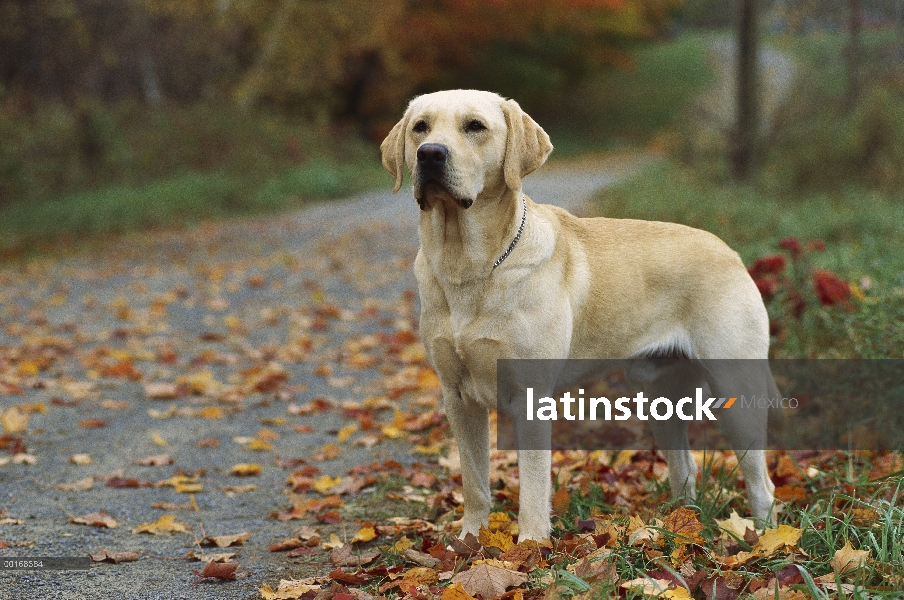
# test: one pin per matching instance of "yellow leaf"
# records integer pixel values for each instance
(211, 412)
(847, 559)
(734, 526)
(402, 544)
(500, 539)
(165, 524)
(325, 483)
(679, 592)
(188, 488)
(456, 592)
(365, 534)
(14, 420)
(345, 432)
(334, 542)
(772, 541)
(267, 434)
(499, 521)
(29, 368)
(258, 445)
(246, 469)
(431, 449)
(158, 439)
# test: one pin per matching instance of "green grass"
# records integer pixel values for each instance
(863, 232)
(619, 108)
(176, 200)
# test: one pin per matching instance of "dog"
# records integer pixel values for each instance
(501, 276)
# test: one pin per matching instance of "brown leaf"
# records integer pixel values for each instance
(421, 558)
(224, 541)
(346, 556)
(218, 570)
(561, 500)
(683, 522)
(352, 578)
(466, 547)
(285, 545)
(488, 580)
(98, 519)
(132, 482)
(847, 559)
(114, 557)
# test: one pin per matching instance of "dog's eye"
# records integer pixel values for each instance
(474, 126)
(420, 127)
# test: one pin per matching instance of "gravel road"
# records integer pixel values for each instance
(249, 321)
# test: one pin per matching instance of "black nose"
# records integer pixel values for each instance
(432, 155)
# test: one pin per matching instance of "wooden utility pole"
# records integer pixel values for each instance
(854, 52)
(747, 118)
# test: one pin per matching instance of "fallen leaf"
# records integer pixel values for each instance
(346, 556)
(365, 534)
(326, 482)
(847, 559)
(224, 541)
(113, 557)
(161, 391)
(211, 556)
(98, 519)
(156, 460)
(734, 527)
(456, 592)
(683, 522)
(14, 420)
(81, 459)
(489, 581)
(215, 570)
(165, 525)
(246, 469)
(288, 590)
(76, 486)
(499, 539)
(158, 439)
(646, 586)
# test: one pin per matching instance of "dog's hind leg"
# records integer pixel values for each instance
(677, 381)
(745, 426)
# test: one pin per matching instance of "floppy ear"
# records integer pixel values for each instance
(393, 149)
(527, 145)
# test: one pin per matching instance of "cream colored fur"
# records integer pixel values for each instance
(572, 287)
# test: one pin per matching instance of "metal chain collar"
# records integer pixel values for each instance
(517, 235)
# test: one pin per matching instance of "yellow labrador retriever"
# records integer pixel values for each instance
(501, 276)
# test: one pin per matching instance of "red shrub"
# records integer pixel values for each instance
(792, 245)
(767, 265)
(830, 288)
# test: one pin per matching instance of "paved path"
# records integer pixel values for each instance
(250, 322)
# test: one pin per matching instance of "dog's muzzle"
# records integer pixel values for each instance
(432, 161)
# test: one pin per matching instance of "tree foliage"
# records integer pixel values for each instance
(324, 60)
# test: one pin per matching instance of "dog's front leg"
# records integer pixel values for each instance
(534, 465)
(470, 423)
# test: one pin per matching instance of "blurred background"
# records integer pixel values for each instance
(780, 122)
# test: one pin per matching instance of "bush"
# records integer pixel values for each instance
(820, 143)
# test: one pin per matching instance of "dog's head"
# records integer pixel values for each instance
(460, 143)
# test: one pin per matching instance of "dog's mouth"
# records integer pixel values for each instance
(432, 189)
